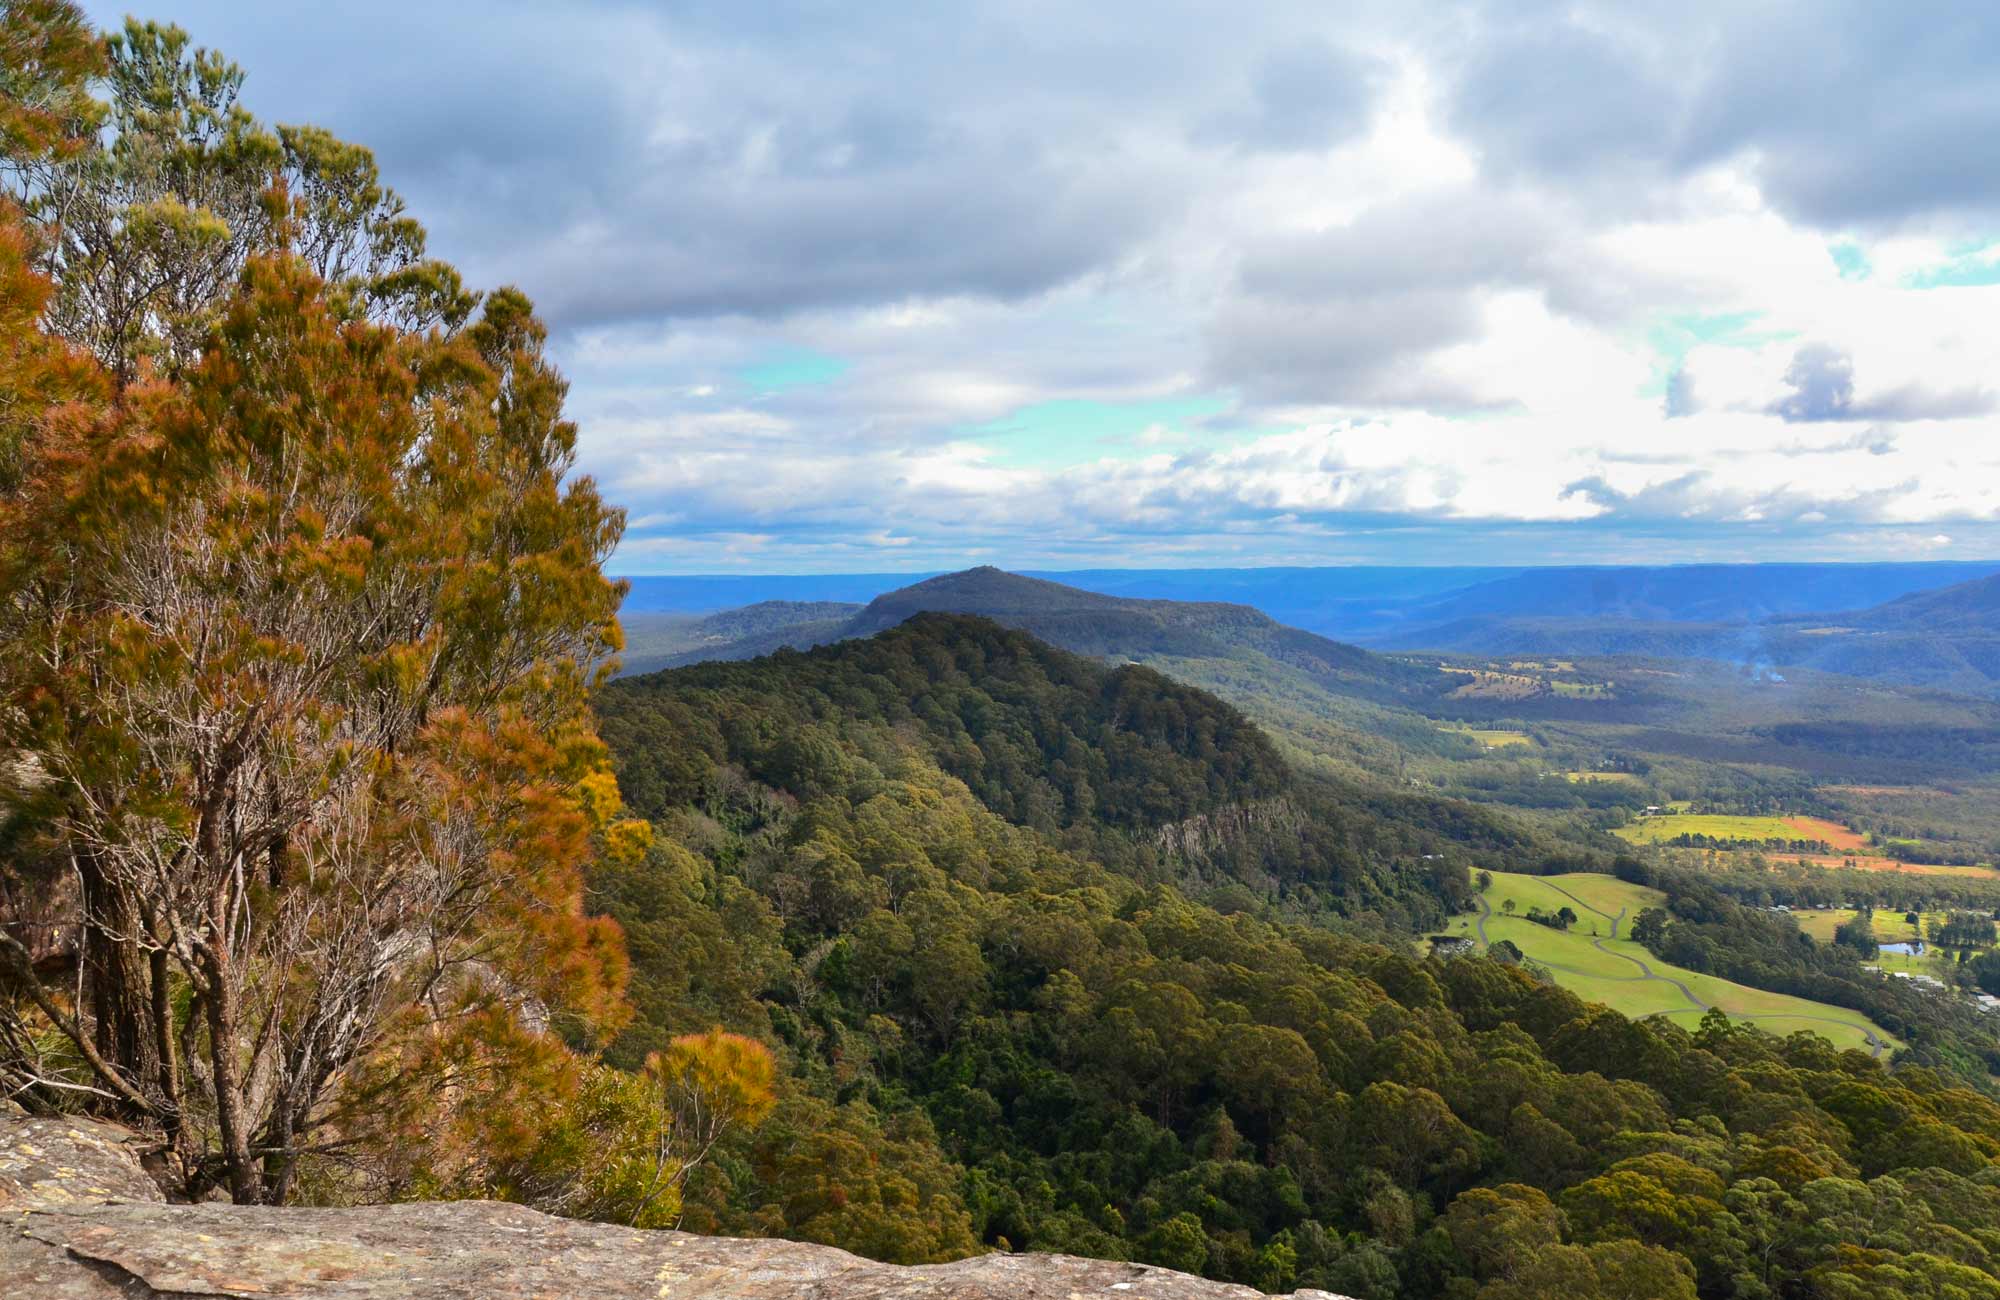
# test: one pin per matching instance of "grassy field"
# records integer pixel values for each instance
(1839, 837)
(1849, 848)
(1864, 862)
(1590, 961)
(1750, 830)
(1493, 738)
(1623, 778)
(1889, 927)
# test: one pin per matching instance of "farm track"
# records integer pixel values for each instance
(1646, 973)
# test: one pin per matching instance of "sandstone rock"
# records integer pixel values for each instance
(80, 1221)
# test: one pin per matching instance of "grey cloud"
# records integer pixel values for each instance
(1308, 95)
(1353, 314)
(1854, 112)
(627, 160)
(1359, 350)
(1559, 93)
(1679, 399)
(1822, 381)
(1699, 497)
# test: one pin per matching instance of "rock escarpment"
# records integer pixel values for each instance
(80, 1220)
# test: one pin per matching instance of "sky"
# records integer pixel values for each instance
(873, 287)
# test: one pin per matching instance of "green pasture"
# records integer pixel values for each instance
(1623, 975)
(1717, 826)
(1494, 738)
(1889, 927)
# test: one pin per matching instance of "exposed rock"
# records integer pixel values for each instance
(79, 1220)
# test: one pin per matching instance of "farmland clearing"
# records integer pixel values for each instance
(1595, 959)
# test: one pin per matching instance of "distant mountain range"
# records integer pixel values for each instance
(1386, 605)
(1083, 622)
(1704, 594)
(1928, 625)
(663, 640)
(1944, 639)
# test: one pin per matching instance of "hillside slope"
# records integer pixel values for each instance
(1085, 622)
(1051, 963)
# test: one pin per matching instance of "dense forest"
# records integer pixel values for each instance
(1058, 1030)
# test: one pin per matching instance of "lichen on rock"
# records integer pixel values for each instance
(80, 1220)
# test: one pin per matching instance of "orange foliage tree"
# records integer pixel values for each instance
(709, 1086)
(298, 773)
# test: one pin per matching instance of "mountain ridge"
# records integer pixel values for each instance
(1091, 623)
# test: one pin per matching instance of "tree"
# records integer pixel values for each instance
(1499, 1230)
(1650, 926)
(301, 652)
(1858, 935)
(48, 53)
(147, 233)
(710, 1085)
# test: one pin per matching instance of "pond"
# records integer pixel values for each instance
(1913, 948)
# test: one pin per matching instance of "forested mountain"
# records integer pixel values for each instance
(1137, 770)
(1966, 608)
(1089, 623)
(947, 870)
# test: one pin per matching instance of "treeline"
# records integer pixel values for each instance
(1046, 1051)
(1697, 840)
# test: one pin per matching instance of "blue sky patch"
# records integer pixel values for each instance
(791, 368)
(1966, 266)
(1075, 431)
(1849, 260)
(1676, 336)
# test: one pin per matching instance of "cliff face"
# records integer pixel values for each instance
(79, 1220)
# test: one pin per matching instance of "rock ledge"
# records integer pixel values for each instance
(79, 1220)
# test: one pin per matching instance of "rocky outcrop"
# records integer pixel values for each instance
(79, 1220)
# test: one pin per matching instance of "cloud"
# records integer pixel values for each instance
(1144, 283)
(1822, 384)
(1309, 95)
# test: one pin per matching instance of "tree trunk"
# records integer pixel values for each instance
(232, 1126)
(117, 980)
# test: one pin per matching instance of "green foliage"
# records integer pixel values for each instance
(147, 233)
(1087, 1041)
